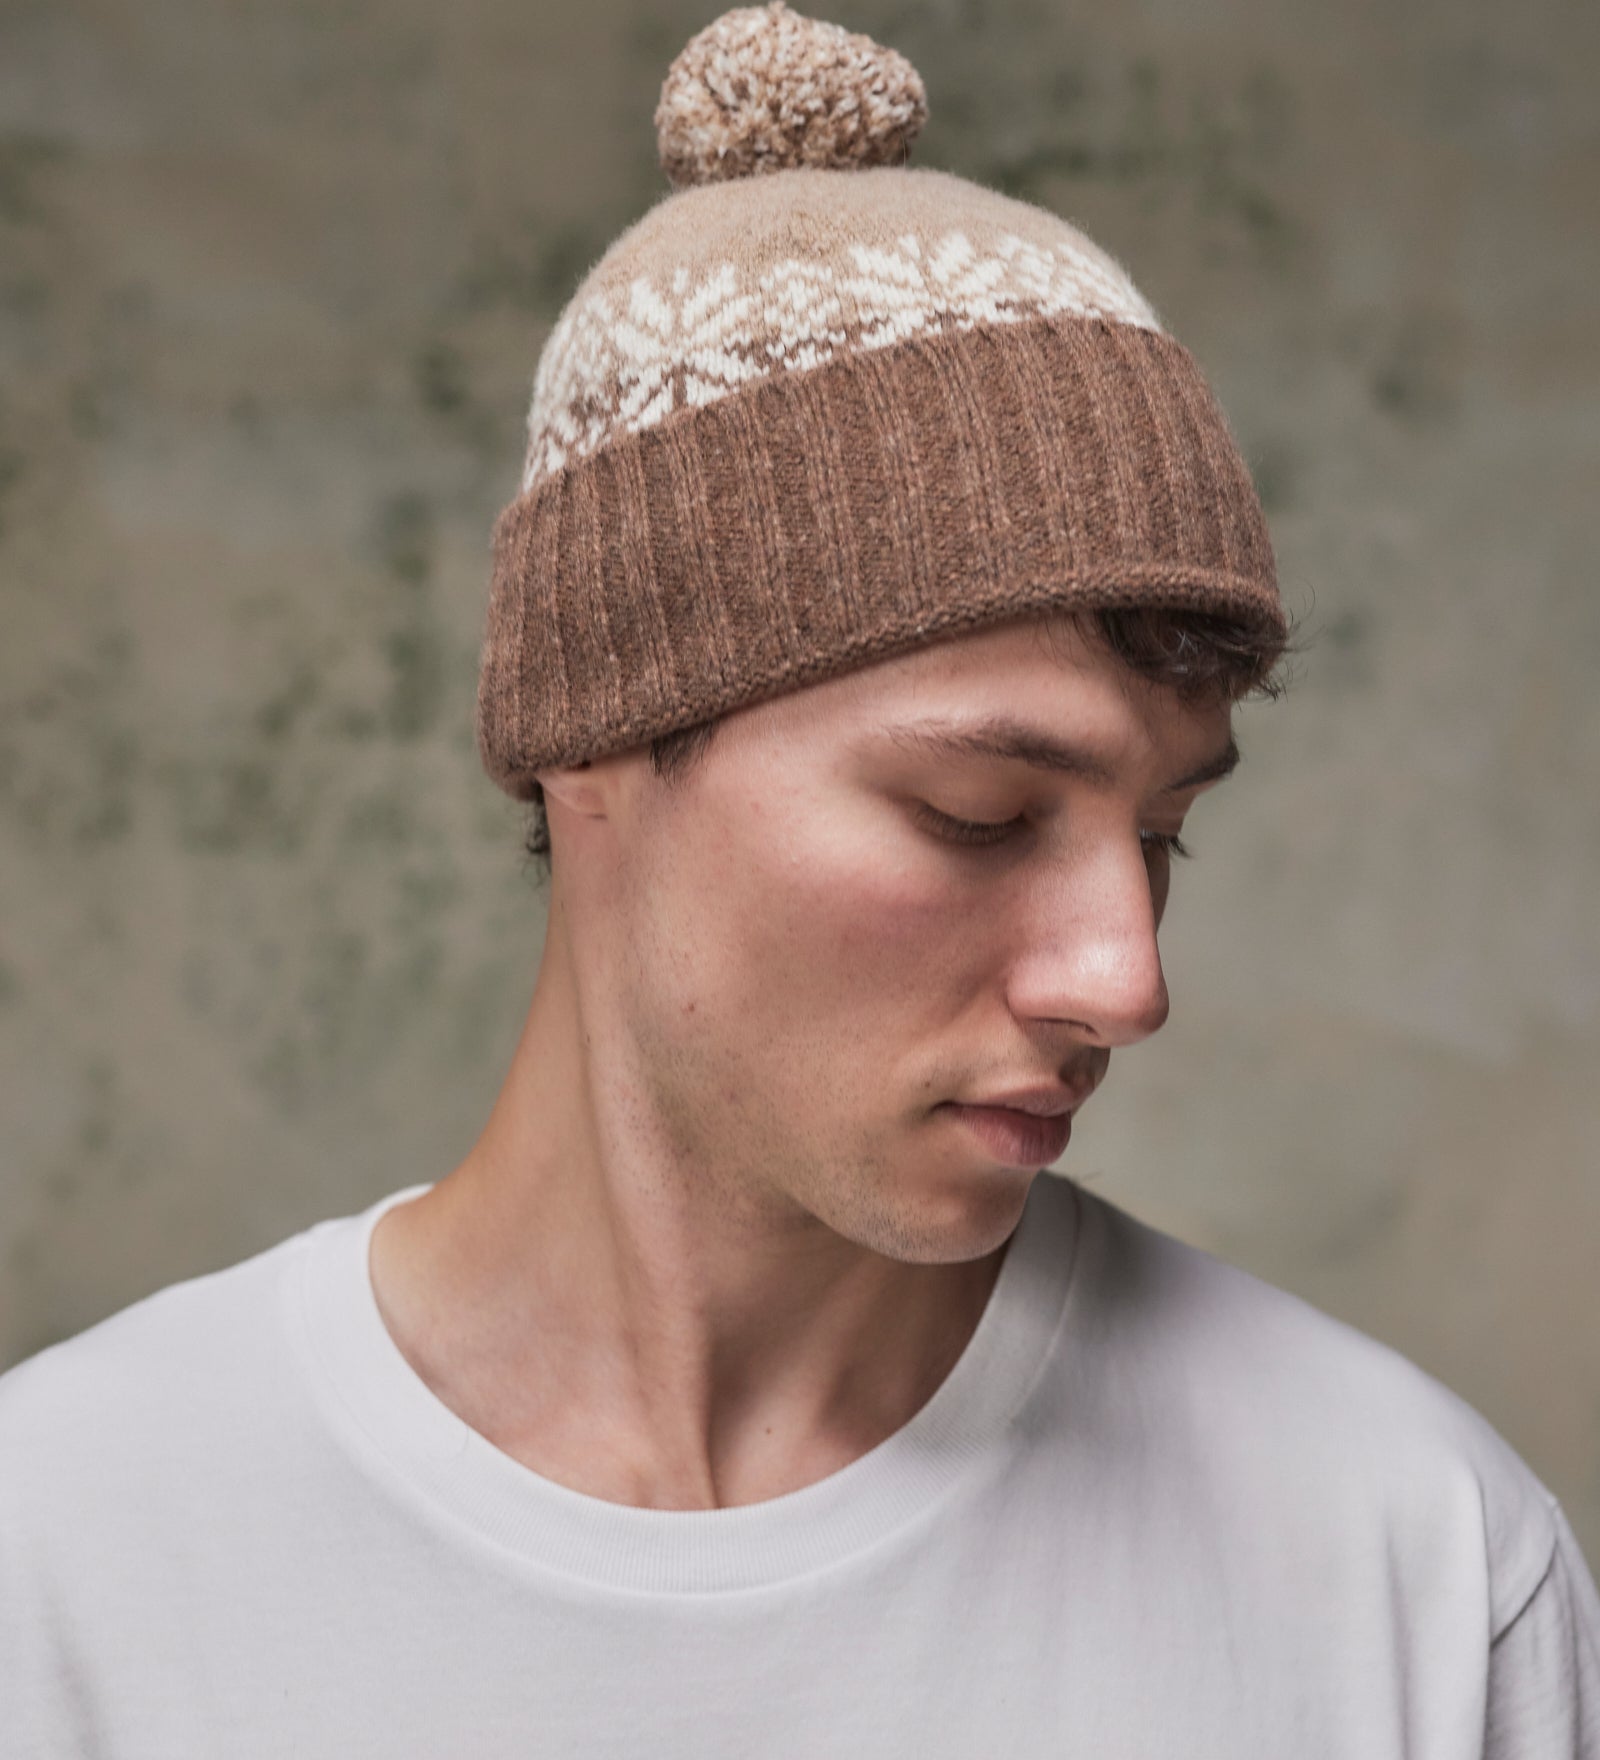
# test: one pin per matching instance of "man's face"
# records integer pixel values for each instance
(811, 967)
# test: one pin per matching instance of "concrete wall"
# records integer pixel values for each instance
(273, 279)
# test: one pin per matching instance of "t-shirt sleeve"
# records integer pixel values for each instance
(1544, 1667)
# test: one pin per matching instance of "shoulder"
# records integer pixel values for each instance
(1299, 1398)
(145, 1388)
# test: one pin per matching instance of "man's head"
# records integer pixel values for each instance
(824, 451)
(807, 949)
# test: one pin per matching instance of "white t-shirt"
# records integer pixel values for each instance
(1158, 1509)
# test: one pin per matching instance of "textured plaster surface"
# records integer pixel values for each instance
(273, 281)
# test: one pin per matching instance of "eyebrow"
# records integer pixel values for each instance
(1001, 737)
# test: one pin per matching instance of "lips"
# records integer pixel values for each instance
(1049, 1102)
(1013, 1136)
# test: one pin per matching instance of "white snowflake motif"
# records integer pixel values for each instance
(610, 364)
(623, 361)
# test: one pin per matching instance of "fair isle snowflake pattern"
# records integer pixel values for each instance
(620, 360)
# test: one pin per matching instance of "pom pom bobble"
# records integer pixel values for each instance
(766, 89)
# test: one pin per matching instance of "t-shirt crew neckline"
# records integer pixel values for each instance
(406, 1431)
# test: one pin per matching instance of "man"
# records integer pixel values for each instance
(866, 628)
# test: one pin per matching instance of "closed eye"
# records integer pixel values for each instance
(975, 833)
(967, 831)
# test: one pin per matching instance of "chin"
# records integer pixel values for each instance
(953, 1219)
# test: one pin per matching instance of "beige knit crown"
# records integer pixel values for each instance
(817, 408)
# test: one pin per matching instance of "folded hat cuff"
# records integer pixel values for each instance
(816, 520)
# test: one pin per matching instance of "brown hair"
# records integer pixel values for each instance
(1201, 655)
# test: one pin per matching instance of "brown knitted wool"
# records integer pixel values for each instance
(793, 423)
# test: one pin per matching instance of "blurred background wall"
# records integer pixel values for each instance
(273, 278)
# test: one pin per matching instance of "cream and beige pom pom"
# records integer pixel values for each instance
(766, 89)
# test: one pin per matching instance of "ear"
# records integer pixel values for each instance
(571, 784)
(587, 789)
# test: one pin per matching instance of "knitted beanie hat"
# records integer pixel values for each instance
(816, 408)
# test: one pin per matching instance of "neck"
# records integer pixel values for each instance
(609, 1301)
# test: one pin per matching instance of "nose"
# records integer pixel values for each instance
(1086, 950)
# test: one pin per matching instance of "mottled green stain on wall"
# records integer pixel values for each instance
(368, 975)
(413, 639)
(404, 540)
(232, 803)
(12, 467)
(1415, 378)
(26, 160)
(276, 719)
(70, 751)
(441, 376)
